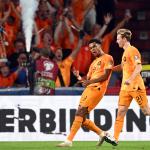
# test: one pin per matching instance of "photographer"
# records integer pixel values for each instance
(34, 55)
(21, 80)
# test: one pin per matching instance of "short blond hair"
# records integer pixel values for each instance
(125, 33)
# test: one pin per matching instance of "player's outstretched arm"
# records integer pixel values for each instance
(117, 68)
(96, 80)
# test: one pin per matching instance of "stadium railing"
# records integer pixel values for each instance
(60, 91)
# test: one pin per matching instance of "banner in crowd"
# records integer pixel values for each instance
(48, 118)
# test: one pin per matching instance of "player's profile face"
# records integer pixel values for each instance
(120, 40)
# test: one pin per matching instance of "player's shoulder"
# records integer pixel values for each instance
(134, 50)
(108, 57)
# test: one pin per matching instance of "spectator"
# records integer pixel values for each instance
(11, 28)
(46, 74)
(108, 38)
(35, 54)
(19, 46)
(46, 40)
(44, 18)
(21, 80)
(63, 35)
(7, 79)
(63, 78)
(84, 12)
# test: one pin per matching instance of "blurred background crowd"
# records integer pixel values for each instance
(62, 29)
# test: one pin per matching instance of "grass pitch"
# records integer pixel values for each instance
(139, 145)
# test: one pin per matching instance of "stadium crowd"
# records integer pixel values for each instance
(62, 29)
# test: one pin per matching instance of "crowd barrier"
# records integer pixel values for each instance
(60, 91)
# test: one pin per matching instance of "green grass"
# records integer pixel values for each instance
(140, 145)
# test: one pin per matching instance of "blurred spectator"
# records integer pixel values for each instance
(84, 13)
(21, 80)
(44, 17)
(4, 11)
(46, 74)
(83, 60)
(63, 78)
(90, 16)
(19, 46)
(46, 41)
(11, 29)
(4, 14)
(7, 79)
(2, 46)
(34, 55)
(63, 35)
(103, 7)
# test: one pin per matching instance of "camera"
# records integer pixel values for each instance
(25, 64)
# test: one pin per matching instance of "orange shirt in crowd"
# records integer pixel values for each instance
(64, 38)
(65, 67)
(131, 57)
(79, 8)
(8, 81)
(43, 23)
(83, 60)
(64, 41)
(12, 32)
(97, 69)
(106, 41)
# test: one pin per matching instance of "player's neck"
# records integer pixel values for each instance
(127, 44)
(100, 54)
